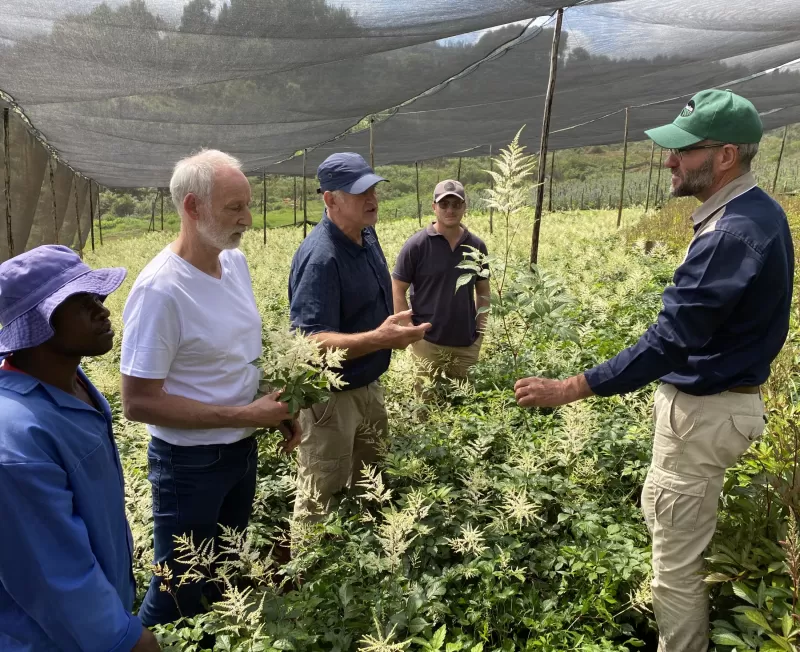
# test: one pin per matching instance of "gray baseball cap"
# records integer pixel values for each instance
(449, 187)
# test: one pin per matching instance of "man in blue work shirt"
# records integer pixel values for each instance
(723, 322)
(66, 581)
(340, 293)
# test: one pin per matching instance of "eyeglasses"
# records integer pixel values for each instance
(456, 204)
(682, 150)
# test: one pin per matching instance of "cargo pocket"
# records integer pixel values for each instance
(748, 426)
(678, 499)
(323, 412)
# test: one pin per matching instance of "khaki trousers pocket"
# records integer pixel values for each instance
(678, 498)
(748, 426)
(322, 412)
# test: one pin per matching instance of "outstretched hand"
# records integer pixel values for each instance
(397, 332)
(545, 392)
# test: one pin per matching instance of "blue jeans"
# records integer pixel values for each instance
(195, 490)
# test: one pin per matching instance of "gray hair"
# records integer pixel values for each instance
(747, 152)
(195, 174)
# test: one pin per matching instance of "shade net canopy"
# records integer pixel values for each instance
(649, 55)
(120, 90)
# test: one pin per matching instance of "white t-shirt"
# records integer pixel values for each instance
(200, 334)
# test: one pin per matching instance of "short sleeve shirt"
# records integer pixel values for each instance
(427, 262)
(339, 286)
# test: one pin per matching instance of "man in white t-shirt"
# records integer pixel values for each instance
(192, 332)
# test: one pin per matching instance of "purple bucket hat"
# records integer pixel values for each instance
(34, 284)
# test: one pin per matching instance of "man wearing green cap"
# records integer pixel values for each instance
(723, 322)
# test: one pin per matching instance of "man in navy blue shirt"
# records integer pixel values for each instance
(66, 581)
(723, 322)
(340, 293)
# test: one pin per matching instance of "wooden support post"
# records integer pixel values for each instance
(99, 217)
(152, 225)
(371, 145)
(55, 208)
(658, 179)
(305, 196)
(542, 165)
(264, 204)
(780, 156)
(91, 212)
(458, 173)
(7, 181)
(650, 175)
(294, 203)
(624, 166)
(419, 206)
(550, 191)
(491, 185)
(161, 193)
(78, 216)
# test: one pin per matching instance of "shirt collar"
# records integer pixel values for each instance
(338, 236)
(431, 231)
(24, 384)
(723, 196)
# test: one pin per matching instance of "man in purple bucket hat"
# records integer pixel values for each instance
(66, 581)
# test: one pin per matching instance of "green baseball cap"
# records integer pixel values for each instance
(717, 115)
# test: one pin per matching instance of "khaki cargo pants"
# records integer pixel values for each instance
(339, 437)
(696, 439)
(452, 361)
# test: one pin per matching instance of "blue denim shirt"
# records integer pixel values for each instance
(336, 285)
(727, 315)
(66, 581)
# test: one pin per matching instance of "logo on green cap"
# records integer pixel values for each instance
(688, 109)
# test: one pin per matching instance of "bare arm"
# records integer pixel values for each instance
(391, 334)
(483, 297)
(145, 400)
(399, 290)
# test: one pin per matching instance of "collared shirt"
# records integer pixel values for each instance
(430, 265)
(66, 580)
(727, 315)
(338, 286)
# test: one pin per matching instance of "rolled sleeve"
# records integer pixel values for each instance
(151, 335)
(708, 285)
(314, 298)
(48, 567)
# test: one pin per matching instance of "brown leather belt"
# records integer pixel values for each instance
(746, 390)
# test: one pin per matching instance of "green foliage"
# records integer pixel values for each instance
(484, 526)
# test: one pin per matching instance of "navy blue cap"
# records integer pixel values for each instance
(346, 171)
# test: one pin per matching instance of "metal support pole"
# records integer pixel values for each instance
(7, 159)
(419, 206)
(161, 193)
(55, 208)
(264, 204)
(305, 197)
(550, 190)
(780, 156)
(650, 176)
(491, 185)
(91, 213)
(548, 106)
(624, 165)
(658, 178)
(371, 145)
(458, 173)
(78, 217)
(294, 203)
(99, 217)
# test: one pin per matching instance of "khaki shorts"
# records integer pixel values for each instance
(339, 437)
(448, 361)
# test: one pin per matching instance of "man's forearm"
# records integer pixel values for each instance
(482, 300)
(170, 411)
(357, 345)
(400, 302)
